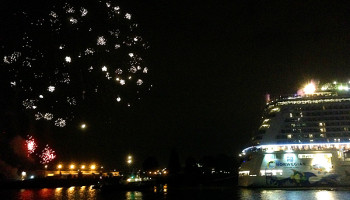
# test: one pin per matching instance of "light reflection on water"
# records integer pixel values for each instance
(201, 193)
(246, 194)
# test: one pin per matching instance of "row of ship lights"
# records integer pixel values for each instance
(273, 148)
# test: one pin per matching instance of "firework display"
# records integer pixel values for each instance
(76, 57)
(31, 146)
(47, 155)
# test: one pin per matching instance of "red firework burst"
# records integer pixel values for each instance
(47, 155)
(31, 145)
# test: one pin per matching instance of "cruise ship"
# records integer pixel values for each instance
(303, 140)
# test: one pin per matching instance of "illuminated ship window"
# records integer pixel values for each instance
(311, 135)
(243, 173)
(275, 110)
(323, 130)
(266, 120)
(290, 115)
(265, 126)
(322, 135)
(271, 172)
(289, 136)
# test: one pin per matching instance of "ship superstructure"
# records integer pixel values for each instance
(303, 140)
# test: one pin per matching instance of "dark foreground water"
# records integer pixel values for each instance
(215, 193)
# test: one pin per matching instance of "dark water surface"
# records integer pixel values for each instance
(87, 192)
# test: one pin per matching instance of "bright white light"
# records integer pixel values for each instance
(51, 88)
(68, 59)
(128, 16)
(309, 88)
(41, 96)
(83, 12)
(101, 40)
(104, 68)
(83, 126)
(325, 195)
(24, 173)
(139, 82)
(131, 55)
(73, 20)
(119, 99)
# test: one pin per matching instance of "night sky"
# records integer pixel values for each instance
(211, 64)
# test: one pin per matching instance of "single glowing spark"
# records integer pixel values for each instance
(90, 68)
(128, 16)
(104, 68)
(117, 46)
(68, 59)
(139, 82)
(122, 82)
(51, 88)
(73, 20)
(119, 99)
(131, 55)
(84, 12)
(145, 70)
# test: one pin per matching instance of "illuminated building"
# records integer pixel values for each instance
(303, 140)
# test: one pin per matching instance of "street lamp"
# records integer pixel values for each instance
(60, 168)
(129, 160)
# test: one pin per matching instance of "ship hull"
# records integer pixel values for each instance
(295, 169)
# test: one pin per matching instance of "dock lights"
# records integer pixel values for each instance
(93, 167)
(71, 166)
(83, 167)
(59, 166)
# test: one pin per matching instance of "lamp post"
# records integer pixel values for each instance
(60, 168)
(129, 162)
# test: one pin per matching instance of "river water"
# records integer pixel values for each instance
(200, 193)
